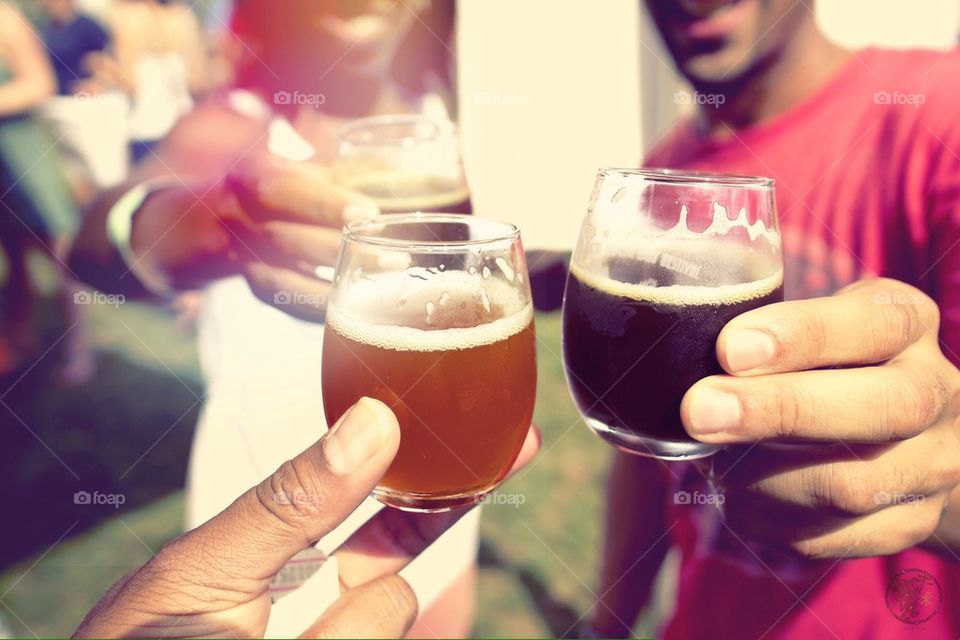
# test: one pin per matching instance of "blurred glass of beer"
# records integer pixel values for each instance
(406, 163)
(442, 332)
(664, 260)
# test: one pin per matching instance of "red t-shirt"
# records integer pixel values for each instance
(868, 184)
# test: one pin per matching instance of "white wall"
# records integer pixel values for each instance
(890, 23)
(549, 92)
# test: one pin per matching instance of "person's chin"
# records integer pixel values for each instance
(718, 67)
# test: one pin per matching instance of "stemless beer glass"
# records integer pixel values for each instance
(663, 261)
(442, 332)
(405, 163)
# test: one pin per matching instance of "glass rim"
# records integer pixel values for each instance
(690, 177)
(439, 127)
(355, 231)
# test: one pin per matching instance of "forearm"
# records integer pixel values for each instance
(635, 544)
(23, 95)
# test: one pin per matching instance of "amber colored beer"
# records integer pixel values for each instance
(463, 394)
(397, 191)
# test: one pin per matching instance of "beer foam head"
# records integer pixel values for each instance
(447, 311)
(681, 295)
(404, 191)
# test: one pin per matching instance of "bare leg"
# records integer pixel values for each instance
(79, 362)
(18, 336)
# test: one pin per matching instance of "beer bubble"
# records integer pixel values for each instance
(444, 298)
(486, 272)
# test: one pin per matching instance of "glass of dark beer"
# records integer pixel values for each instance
(405, 163)
(442, 332)
(663, 261)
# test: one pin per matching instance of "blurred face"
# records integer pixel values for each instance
(57, 9)
(719, 41)
(348, 34)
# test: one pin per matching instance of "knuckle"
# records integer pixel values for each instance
(930, 396)
(786, 409)
(290, 494)
(849, 489)
(897, 324)
(815, 339)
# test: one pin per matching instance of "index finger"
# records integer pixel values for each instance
(866, 323)
(282, 189)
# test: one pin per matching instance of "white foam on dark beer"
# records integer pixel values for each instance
(369, 299)
(681, 295)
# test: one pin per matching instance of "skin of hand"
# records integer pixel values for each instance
(213, 581)
(271, 219)
(862, 406)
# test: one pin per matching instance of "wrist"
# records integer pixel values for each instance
(178, 238)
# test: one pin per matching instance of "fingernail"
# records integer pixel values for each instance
(360, 210)
(712, 411)
(357, 437)
(748, 349)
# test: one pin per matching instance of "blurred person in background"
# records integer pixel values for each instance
(37, 212)
(85, 114)
(240, 201)
(160, 57)
(71, 37)
(856, 534)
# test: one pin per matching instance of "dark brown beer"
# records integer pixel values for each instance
(636, 341)
(462, 384)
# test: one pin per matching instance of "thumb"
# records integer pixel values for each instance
(306, 497)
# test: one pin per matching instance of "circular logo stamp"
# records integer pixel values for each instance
(914, 596)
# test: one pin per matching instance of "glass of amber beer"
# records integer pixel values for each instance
(663, 261)
(404, 162)
(432, 315)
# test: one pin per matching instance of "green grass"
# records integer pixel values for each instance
(538, 560)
